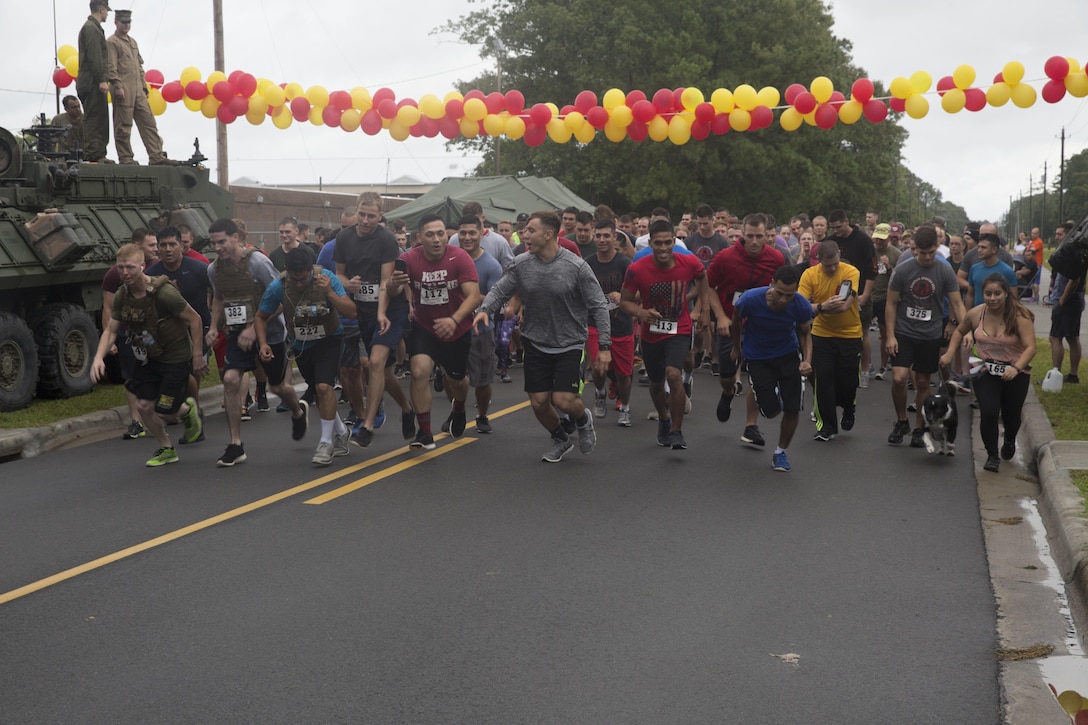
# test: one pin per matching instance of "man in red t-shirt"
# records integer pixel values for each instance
(445, 291)
(656, 292)
(1035, 247)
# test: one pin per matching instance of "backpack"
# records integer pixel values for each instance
(1071, 258)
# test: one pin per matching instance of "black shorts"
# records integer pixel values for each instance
(726, 367)
(776, 384)
(559, 372)
(165, 383)
(867, 311)
(235, 358)
(880, 308)
(320, 362)
(370, 336)
(921, 355)
(349, 350)
(126, 358)
(1065, 321)
(668, 353)
(451, 356)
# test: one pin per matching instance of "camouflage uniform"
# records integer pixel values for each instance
(92, 72)
(126, 71)
(75, 138)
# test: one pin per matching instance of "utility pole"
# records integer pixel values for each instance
(1031, 200)
(220, 127)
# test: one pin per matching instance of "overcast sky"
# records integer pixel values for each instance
(977, 160)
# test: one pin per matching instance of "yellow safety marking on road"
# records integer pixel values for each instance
(392, 470)
(102, 561)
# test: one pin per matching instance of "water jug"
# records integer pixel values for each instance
(1052, 383)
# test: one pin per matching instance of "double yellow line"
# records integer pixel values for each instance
(75, 571)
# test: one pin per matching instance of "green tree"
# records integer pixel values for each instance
(556, 48)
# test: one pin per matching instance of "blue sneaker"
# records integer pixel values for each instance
(779, 462)
(379, 419)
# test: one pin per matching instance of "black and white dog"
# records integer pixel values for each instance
(942, 419)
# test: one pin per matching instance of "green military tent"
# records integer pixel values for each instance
(502, 197)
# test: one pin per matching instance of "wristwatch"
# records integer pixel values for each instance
(819, 308)
(604, 347)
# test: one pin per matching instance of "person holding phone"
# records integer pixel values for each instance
(832, 288)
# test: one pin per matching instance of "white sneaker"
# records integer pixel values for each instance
(623, 418)
(340, 444)
(864, 381)
(587, 437)
(600, 406)
(323, 454)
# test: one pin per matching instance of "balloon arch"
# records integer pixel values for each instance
(677, 115)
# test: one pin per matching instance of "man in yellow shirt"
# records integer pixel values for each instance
(832, 288)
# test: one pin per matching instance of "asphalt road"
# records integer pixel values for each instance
(477, 584)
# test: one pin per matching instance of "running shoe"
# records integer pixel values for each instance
(677, 442)
(752, 436)
(824, 437)
(194, 430)
(282, 407)
(623, 419)
(361, 436)
(340, 443)
(568, 425)
(1069, 378)
(917, 438)
(599, 406)
(993, 463)
(557, 451)
(233, 454)
(847, 422)
(423, 440)
(881, 374)
(863, 381)
(587, 437)
(246, 414)
(447, 423)
(135, 430)
(900, 429)
(457, 424)
(379, 419)
(483, 425)
(162, 457)
(725, 406)
(300, 425)
(262, 403)
(715, 370)
(504, 377)
(738, 388)
(408, 424)
(779, 462)
(1008, 450)
(323, 454)
(664, 427)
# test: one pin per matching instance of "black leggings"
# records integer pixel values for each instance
(999, 398)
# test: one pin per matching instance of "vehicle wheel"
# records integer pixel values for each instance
(18, 363)
(67, 340)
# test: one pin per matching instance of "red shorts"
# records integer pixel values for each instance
(623, 353)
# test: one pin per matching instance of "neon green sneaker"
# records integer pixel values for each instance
(162, 457)
(193, 427)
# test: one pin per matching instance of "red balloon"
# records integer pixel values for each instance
(196, 90)
(762, 117)
(862, 90)
(154, 78)
(223, 91)
(300, 108)
(535, 135)
(495, 102)
(455, 109)
(172, 92)
(331, 116)
(387, 108)
(1000, 77)
(515, 102)
(246, 85)
(585, 101)
(429, 126)
(826, 116)
(340, 100)
(720, 125)
(634, 97)
(638, 131)
(704, 112)
(804, 102)
(540, 114)
(224, 114)
(1054, 91)
(643, 111)
(898, 104)
(567, 110)
(448, 127)
(382, 94)
(416, 131)
(61, 79)
(1056, 68)
(597, 117)
(238, 105)
(837, 99)
(678, 98)
(944, 85)
(233, 76)
(876, 111)
(475, 94)
(700, 129)
(976, 99)
(407, 102)
(663, 101)
(371, 122)
(793, 91)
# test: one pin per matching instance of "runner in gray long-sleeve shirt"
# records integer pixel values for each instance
(560, 293)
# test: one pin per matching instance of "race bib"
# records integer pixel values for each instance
(140, 352)
(882, 268)
(917, 313)
(610, 305)
(664, 327)
(368, 292)
(996, 368)
(236, 314)
(736, 296)
(434, 295)
(308, 333)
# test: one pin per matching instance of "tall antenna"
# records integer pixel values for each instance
(56, 60)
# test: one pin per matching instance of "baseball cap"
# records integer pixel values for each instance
(882, 231)
(523, 217)
(896, 229)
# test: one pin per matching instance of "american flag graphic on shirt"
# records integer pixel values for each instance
(669, 298)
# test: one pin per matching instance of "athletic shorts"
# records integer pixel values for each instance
(776, 384)
(726, 367)
(235, 358)
(1065, 321)
(668, 353)
(866, 312)
(559, 372)
(349, 349)
(451, 356)
(165, 383)
(623, 353)
(320, 362)
(921, 355)
(481, 359)
(880, 309)
(369, 335)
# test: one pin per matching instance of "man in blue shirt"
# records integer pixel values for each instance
(988, 263)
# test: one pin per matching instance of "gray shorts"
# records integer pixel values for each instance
(481, 359)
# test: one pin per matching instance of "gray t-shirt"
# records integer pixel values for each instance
(922, 293)
(494, 244)
(263, 272)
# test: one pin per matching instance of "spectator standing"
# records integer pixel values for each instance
(92, 83)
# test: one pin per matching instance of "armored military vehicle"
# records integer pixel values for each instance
(61, 222)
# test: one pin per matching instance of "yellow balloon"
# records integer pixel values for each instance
(349, 119)
(691, 97)
(657, 129)
(360, 99)
(282, 118)
(1023, 95)
(452, 96)
(614, 133)
(998, 94)
(791, 119)
(72, 65)
(257, 104)
(963, 77)
(408, 116)
(216, 76)
(920, 81)
(850, 112)
(745, 97)
(274, 95)
(1077, 84)
(65, 52)
(318, 96)
(191, 104)
(316, 116)
(475, 109)
(263, 85)
(188, 75)
(256, 119)
(768, 96)
(1013, 72)
(431, 107)
(822, 88)
(585, 133)
(293, 91)
(494, 124)
(810, 118)
(613, 98)
(156, 101)
(398, 131)
(953, 100)
(900, 87)
(740, 119)
(515, 128)
(554, 108)
(209, 106)
(1074, 65)
(558, 131)
(917, 106)
(622, 117)
(470, 128)
(576, 120)
(722, 100)
(679, 130)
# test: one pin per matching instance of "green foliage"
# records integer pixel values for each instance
(558, 48)
(1049, 207)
